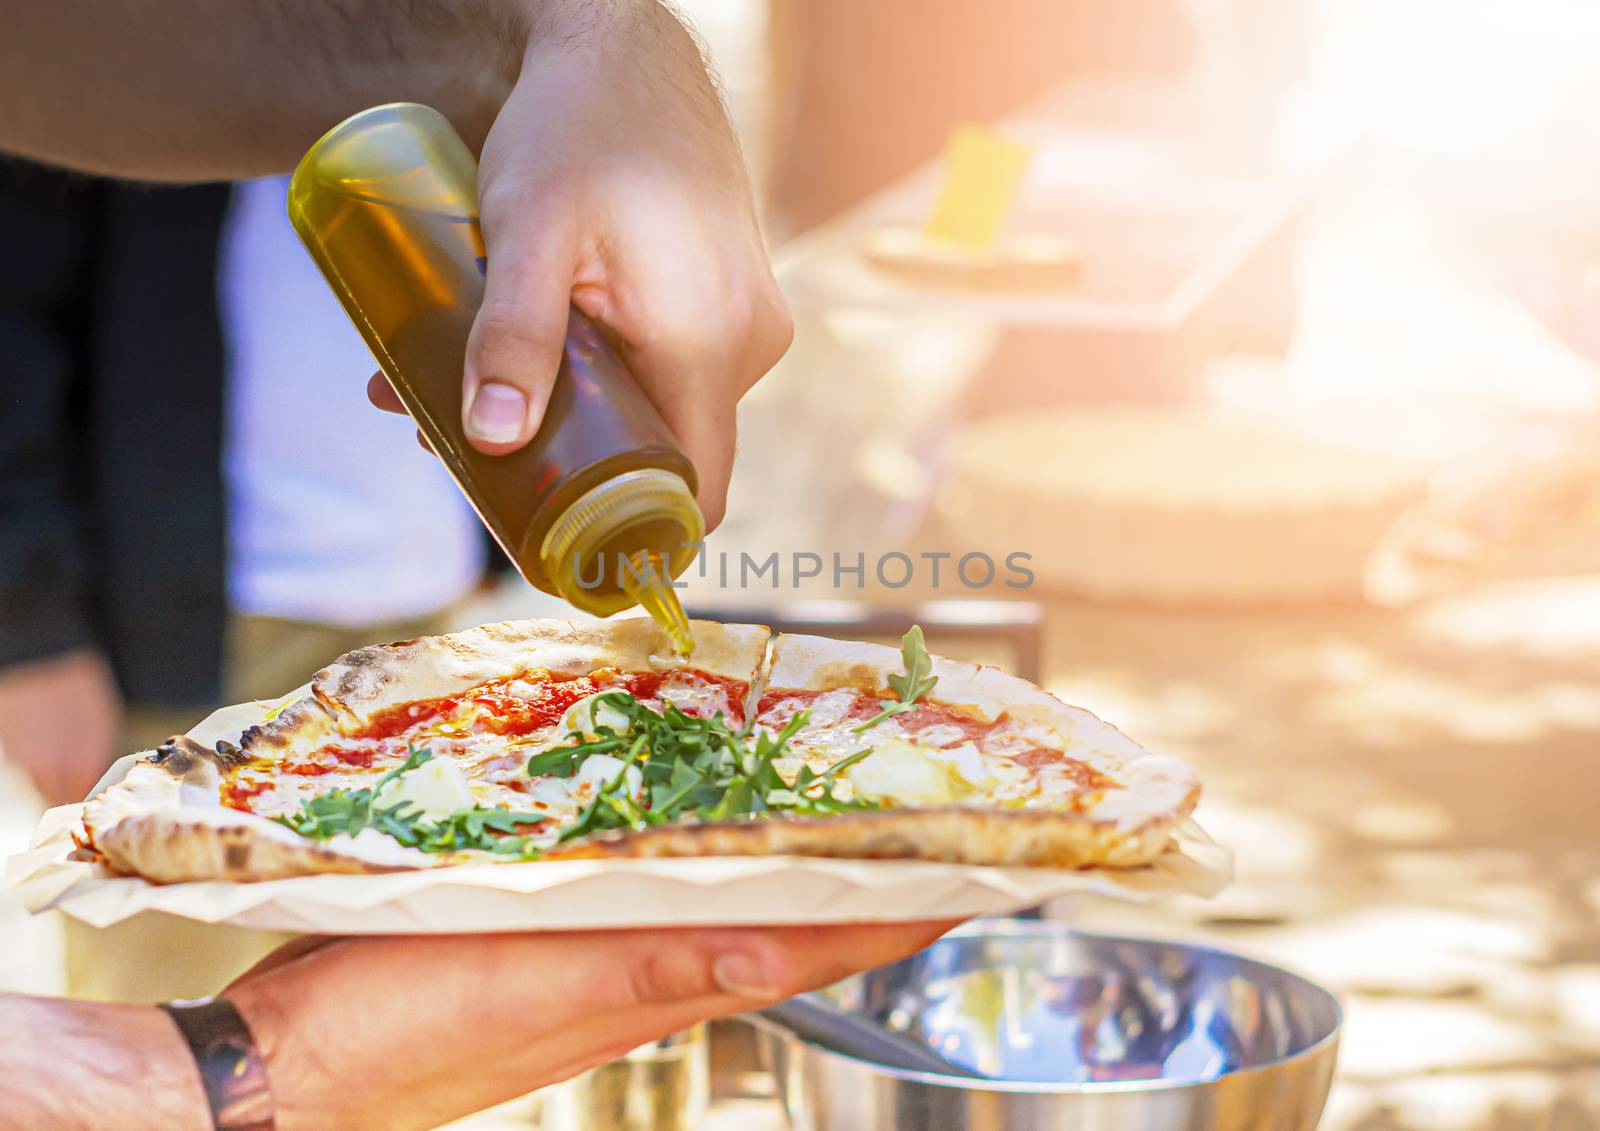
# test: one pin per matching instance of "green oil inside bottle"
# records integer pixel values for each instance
(599, 507)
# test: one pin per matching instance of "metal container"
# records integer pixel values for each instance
(1087, 1032)
(660, 1086)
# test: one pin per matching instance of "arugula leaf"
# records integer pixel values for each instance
(563, 761)
(690, 767)
(698, 768)
(350, 811)
(682, 780)
(805, 797)
(607, 810)
(746, 794)
(843, 763)
(914, 684)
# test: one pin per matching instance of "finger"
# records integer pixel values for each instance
(690, 377)
(770, 333)
(695, 355)
(707, 975)
(382, 394)
(81, 780)
(619, 989)
(515, 346)
(67, 781)
(749, 966)
(708, 438)
(53, 786)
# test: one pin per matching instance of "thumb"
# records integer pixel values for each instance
(515, 346)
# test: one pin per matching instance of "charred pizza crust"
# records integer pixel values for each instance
(164, 820)
(347, 693)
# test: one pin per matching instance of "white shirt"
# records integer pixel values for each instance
(336, 514)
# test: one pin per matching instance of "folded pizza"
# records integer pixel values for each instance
(546, 740)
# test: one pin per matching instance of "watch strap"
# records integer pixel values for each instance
(231, 1068)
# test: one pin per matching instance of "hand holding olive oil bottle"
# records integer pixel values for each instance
(599, 507)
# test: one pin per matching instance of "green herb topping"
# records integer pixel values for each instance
(684, 765)
(914, 684)
(351, 810)
(689, 765)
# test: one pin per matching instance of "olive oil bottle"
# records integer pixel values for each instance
(599, 507)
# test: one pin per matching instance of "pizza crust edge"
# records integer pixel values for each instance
(362, 683)
(952, 834)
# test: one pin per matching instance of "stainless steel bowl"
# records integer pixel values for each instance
(1079, 1031)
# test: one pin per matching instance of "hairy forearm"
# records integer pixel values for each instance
(223, 89)
(91, 1066)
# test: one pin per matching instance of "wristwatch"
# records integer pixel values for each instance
(231, 1068)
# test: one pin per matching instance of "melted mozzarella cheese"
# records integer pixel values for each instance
(938, 764)
(821, 745)
(380, 848)
(941, 734)
(553, 794)
(831, 707)
(600, 770)
(966, 762)
(703, 700)
(435, 789)
(903, 774)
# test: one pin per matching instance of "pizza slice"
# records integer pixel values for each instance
(1015, 775)
(541, 740)
(416, 754)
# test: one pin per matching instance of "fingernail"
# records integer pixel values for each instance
(742, 975)
(498, 414)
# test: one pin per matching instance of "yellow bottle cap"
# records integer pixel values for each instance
(595, 551)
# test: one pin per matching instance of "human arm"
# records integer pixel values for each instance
(94, 1065)
(60, 722)
(200, 90)
(610, 177)
(412, 1032)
